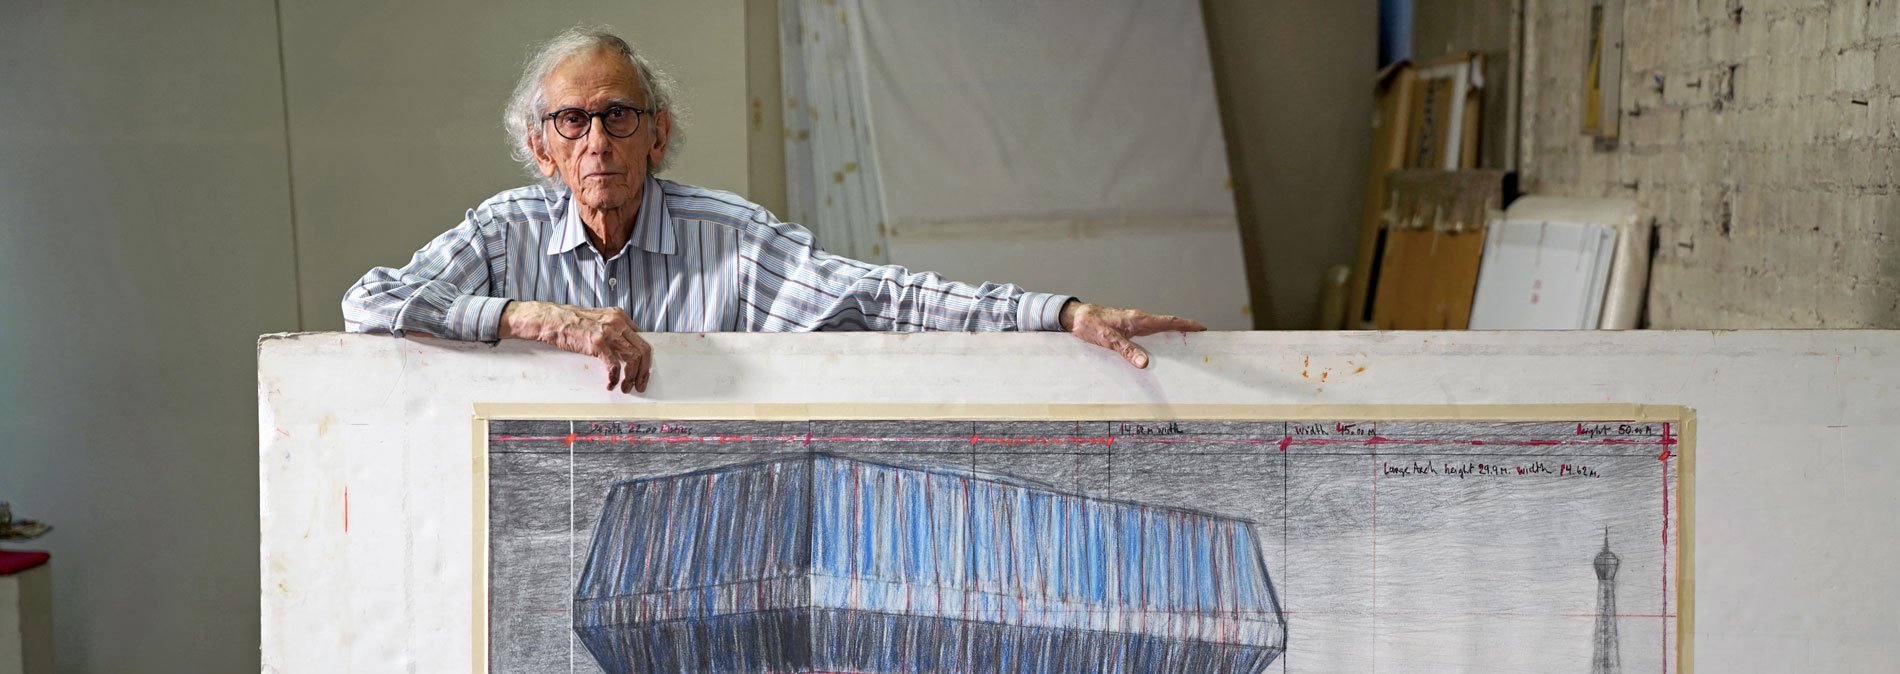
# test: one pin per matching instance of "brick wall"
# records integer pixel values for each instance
(1762, 135)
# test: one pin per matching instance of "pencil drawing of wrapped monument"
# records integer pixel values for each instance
(817, 563)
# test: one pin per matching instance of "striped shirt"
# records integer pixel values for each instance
(699, 260)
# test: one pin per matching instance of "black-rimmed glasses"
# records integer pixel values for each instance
(620, 121)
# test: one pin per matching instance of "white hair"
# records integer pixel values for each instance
(522, 117)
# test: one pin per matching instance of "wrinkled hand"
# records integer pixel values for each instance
(1110, 328)
(606, 334)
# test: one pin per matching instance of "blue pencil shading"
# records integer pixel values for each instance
(824, 564)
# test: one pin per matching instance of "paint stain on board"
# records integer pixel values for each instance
(1306, 369)
(346, 509)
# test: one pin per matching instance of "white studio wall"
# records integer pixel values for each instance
(146, 216)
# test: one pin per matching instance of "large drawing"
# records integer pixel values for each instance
(1189, 546)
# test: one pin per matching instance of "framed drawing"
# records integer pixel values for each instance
(1080, 539)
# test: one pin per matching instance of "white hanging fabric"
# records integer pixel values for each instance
(1068, 146)
(831, 168)
(1054, 110)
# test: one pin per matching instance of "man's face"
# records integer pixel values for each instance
(603, 171)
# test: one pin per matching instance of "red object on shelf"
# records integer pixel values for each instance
(12, 562)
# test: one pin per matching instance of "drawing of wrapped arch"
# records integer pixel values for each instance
(817, 563)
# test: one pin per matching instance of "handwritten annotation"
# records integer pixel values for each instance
(1473, 469)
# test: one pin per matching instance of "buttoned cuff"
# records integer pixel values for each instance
(1040, 312)
(476, 319)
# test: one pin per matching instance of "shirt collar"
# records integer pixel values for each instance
(653, 230)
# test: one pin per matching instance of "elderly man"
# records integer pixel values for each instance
(602, 250)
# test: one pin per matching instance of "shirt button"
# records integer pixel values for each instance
(613, 280)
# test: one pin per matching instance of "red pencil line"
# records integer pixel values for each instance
(1375, 558)
(1427, 614)
(1665, 555)
(1104, 440)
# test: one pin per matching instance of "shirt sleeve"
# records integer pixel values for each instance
(788, 284)
(446, 290)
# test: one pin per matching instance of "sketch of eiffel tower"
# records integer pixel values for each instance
(1608, 658)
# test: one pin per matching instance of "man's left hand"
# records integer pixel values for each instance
(1111, 328)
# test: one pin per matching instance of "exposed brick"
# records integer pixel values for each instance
(1854, 71)
(1884, 18)
(1887, 62)
(1846, 23)
(1769, 159)
(1813, 31)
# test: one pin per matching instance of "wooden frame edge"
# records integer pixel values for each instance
(478, 519)
(1685, 545)
(804, 412)
(1683, 416)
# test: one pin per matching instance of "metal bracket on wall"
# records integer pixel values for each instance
(1603, 74)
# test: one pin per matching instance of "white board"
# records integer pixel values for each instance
(1542, 276)
(365, 460)
(1563, 263)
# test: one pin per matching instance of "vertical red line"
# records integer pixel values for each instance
(1665, 559)
(346, 509)
(1375, 559)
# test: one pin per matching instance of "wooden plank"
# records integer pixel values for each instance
(1389, 133)
(1429, 279)
(1434, 241)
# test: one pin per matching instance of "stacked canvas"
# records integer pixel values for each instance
(1563, 264)
(824, 564)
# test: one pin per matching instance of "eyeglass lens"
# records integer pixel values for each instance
(573, 123)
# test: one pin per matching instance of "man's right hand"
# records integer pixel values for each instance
(606, 334)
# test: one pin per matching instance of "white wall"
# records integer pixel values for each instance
(146, 219)
(146, 239)
(1794, 453)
